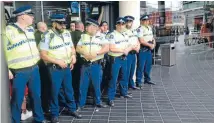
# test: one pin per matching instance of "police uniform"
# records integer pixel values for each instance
(144, 64)
(118, 63)
(59, 46)
(131, 58)
(22, 57)
(105, 68)
(91, 69)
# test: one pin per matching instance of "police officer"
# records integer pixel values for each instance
(119, 47)
(22, 57)
(59, 53)
(92, 48)
(147, 42)
(131, 58)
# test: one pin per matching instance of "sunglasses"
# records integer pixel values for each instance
(61, 23)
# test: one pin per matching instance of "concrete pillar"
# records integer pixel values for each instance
(4, 81)
(130, 8)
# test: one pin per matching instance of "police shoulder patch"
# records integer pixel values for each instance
(30, 29)
(138, 30)
(111, 36)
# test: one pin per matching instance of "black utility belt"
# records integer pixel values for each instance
(144, 47)
(23, 69)
(133, 52)
(55, 66)
(85, 62)
(123, 57)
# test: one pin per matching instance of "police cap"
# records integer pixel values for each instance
(144, 17)
(129, 18)
(59, 18)
(120, 20)
(90, 21)
(23, 10)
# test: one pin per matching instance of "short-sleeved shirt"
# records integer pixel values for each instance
(120, 40)
(20, 46)
(145, 32)
(93, 44)
(133, 37)
(59, 46)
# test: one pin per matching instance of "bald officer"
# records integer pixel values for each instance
(147, 42)
(58, 52)
(92, 48)
(119, 48)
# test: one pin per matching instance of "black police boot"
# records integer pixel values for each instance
(150, 83)
(135, 88)
(80, 109)
(111, 103)
(139, 85)
(75, 114)
(127, 96)
(54, 120)
(101, 106)
(44, 121)
(129, 93)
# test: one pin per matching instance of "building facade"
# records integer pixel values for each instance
(196, 13)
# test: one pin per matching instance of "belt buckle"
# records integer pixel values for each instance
(123, 57)
(90, 63)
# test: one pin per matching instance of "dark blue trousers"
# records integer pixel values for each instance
(23, 77)
(144, 66)
(116, 65)
(61, 78)
(93, 73)
(131, 63)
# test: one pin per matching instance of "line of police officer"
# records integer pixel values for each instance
(58, 52)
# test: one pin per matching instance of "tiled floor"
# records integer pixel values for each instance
(183, 93)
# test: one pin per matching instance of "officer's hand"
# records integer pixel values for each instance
(137, 48)
(71, 66)
(126, 51)
(89, 57)
(73, 59)
(152, 47)
(94, 55)
(61, 63)
(10, 75)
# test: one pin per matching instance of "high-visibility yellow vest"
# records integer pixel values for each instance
(120, 40)
(60, 45)
(20, 47)
(145, 32)
(93, 44)
(133, 38)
